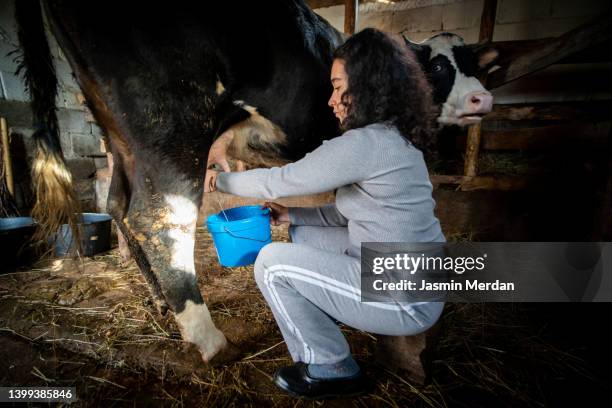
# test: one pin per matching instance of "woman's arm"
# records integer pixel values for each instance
(324, 216)
(337, 162)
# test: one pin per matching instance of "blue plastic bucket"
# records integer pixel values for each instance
(239, 237)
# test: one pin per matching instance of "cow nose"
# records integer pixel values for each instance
(478, 102)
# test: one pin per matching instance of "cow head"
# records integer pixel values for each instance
(452, 68)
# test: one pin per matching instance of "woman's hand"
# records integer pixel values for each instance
(279, 214)
(210, 181)
(218, 151)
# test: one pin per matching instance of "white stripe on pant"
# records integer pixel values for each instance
(312, 280)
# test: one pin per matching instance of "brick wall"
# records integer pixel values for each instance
(80, 136)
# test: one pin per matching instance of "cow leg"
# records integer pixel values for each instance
(124, 249)
(161, 217)
(118, 200)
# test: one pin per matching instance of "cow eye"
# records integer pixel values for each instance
(437, 68)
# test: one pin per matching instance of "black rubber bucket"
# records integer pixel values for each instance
(95, 232)
(16, 247)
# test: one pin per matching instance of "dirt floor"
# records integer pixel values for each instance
(91, 325)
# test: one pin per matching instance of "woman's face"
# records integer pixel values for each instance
(339, 81)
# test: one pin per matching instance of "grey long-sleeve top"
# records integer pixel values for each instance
(383, 188)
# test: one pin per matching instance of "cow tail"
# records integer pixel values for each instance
(56, 202)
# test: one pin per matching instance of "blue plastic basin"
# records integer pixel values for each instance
(95, 229)
(15, 242)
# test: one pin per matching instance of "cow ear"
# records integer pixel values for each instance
(486, 56)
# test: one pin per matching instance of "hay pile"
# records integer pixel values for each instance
(93, 326)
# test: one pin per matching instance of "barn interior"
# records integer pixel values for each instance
(537, 168)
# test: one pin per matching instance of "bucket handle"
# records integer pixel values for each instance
(252, 239)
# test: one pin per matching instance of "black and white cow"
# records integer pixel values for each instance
(452, 68)
(163, 80)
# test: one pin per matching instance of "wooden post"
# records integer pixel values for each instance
(487, 20)
(487, 24)
(472, 149)
(350, 16)
(411, 355)
(602, 227)
(6, 157)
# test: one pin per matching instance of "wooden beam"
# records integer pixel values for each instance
(545, 137)
(591, 34)
(538, 138)
(351, 8)
(487, 25)
(6, 157)
(315, 4)
(464, 183)
(594, 111)
(511, 50)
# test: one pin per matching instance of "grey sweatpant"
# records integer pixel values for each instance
(311, 280)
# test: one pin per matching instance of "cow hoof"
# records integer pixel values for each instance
(227, 354)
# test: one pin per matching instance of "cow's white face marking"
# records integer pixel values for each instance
(456, 110)
(453, 109)
(182, 217)
(197, 327)
(444, 44)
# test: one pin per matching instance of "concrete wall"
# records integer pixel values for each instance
(80, 136)
(515, 20)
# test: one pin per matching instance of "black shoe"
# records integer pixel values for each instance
(296, 381)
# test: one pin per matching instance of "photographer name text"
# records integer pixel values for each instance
(410, 264)
(407, 285)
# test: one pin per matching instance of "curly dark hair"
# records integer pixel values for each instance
(386, 84)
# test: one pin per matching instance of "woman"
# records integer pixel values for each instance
(383, 103)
